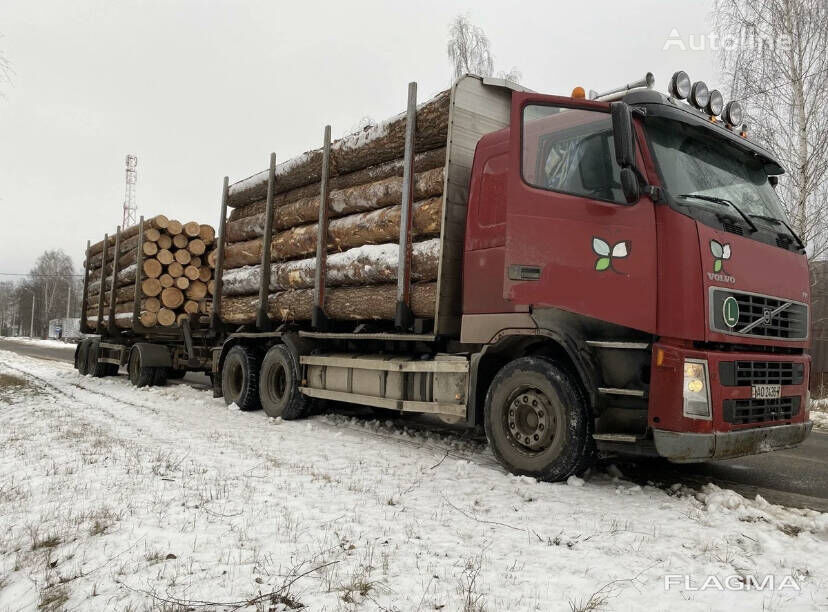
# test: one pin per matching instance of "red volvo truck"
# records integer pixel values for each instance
(616, 276)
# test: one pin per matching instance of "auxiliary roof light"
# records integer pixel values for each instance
(680, 85)
(733, 113)
(699, 95)
(715, 104)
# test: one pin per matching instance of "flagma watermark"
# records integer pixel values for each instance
(748, 37)
(734, 582)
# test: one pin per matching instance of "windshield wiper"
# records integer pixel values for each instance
(723, 202)
(776, 221)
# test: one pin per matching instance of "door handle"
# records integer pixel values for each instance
(524, 272)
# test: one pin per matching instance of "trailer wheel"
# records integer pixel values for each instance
(279, 386)
(138, 374)
(96, 368)
(240, 378)
(81, 361)
(537, 420)
(159, 377)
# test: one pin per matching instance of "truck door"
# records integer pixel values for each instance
(572, 241)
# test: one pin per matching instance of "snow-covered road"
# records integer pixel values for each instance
(117, 498)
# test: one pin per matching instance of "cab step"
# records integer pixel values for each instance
(615, 437)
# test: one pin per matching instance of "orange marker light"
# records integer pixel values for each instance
(660, 357)
(579, 92)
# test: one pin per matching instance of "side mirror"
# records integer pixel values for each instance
(629, 185)
(622, 134)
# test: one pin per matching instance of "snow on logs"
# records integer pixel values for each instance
(175, 277)
(364, 208)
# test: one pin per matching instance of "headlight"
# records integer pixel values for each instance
(733, 113)
(680, 85)
(699, 95)
(696, 389)
(715, 104)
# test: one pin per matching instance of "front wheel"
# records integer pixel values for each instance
(537, 420)
(138, 374)
(279, 386)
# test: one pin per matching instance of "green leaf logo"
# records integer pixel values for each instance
(607, 255)
(721, 252)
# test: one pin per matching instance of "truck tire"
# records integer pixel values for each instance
(81, 360)
(279, 386)
(96, 368)
(138, 374)
(159, 377)
(176, 374)
(537, 420)
(240, 378)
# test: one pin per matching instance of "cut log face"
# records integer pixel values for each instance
(148, 318)
(192, 229)
(197, 290)
(166, 280)
(175, 269)
(375, 145)
(174, 227)
(195, 260)
(205, 274)
(151, 287)
(343, 303)
(211, 258)
(191, 307)
(153, 304)
(166, 317)
(206, 233)
(181, 317)
(164, 241)
(180, 241)
(191, 272)
(172, 298)
(165, 257)
(152, 268)
(183, 257)
(196, 246)
(150, 249)
(182, 282)
(152, 234)
(211, 287)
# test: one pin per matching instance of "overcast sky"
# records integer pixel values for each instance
(199, 90)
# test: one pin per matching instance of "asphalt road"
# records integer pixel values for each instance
(795, 477)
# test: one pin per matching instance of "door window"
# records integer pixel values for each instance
(571, 151)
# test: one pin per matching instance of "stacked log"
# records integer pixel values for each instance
(169, 289)
(364, 210)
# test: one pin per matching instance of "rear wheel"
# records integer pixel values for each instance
(159, 377)
(82, 360)
(138, 374)
(95, 367)
(240, 378)
(537, 420)
(279, 386)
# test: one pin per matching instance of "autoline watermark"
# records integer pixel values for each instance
(734, 582)
(747, 38)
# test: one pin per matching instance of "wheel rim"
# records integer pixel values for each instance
(276, 384)
(134, 368)
(530, 420)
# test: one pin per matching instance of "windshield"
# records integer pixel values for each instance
(692, 161)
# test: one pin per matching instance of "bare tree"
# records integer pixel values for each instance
(5, 70)
(50, 280)
(469, 51)
(773, 52)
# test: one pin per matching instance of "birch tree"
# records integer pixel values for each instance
(773, 53)
(469, 51)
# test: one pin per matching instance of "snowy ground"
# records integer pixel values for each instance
(113, 498)
(819, 414)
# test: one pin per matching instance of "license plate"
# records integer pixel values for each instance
(766, 391)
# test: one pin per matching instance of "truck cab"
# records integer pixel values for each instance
(635, 248)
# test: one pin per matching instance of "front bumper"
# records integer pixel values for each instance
(682, 447)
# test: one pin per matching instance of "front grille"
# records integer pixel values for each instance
(748, 411)
(747, 373)
(789, 323)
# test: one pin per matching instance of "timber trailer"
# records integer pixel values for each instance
(152, 355)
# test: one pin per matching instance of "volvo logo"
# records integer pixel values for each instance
(767, 316)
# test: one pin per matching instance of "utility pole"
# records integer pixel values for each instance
(69, 298)
(31, 329)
